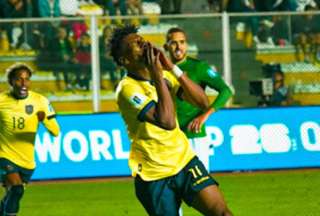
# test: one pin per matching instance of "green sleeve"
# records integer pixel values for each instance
(211, 78)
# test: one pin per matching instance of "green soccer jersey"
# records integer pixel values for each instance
(202, 74)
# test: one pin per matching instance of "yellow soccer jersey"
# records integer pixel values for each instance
(19, 124)
(155, 153)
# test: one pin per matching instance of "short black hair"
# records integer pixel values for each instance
(13, 70)
(174, 30)
(116, 40)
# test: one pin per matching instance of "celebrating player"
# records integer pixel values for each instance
(163, 163)
(191, 118)
(21, 111)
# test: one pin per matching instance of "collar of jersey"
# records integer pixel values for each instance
(136, 77)
(182, 61)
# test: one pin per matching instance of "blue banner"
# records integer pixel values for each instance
(239, 139)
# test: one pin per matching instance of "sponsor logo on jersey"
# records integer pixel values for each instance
(137, 99)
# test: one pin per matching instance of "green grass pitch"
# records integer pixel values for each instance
(272, 193)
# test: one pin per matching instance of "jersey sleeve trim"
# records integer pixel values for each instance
(148, 106)
(51, 116)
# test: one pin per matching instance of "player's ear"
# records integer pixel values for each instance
(10, 81)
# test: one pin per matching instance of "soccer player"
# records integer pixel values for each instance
(21, 111)
(191, 118)
(163, 163)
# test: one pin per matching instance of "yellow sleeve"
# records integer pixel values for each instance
(52, 126)
(136, 100)
(50, 121)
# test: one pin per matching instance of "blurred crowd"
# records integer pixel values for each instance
(267, 5)
(302, 31)
(68, 43)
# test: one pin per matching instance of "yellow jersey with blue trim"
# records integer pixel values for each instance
(155, 153)
(18, 126)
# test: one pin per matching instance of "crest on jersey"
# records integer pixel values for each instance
(29, 109)
(212, 73)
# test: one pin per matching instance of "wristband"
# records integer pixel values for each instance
(177, 71)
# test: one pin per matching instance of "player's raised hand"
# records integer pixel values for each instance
(196, 124)
(165, 61)
(153, 63)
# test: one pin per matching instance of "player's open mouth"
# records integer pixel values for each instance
(23, 90)
(178, 52)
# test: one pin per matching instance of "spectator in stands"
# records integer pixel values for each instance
(273, 5)
(83, 61)
(166, 6)
(39, 41)
(4, 41)
(113, 5)
(78, 29)
(69, 7)
(303, 29)
(279, 30)
(316, 49)
(134, 7)
(62, 57)
(281, 95)
(214, 5)
(106, 61)
(49, 8)
(15, 9)
(238, 5)
(251, 22)
(303, 5)
(264, 36)
(303, 48)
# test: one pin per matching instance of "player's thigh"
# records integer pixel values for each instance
(10, 172)
(13, 174)
(199, 189)
(157, 197)
(210, 201)
(13, 179)
(192, 179)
